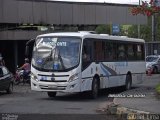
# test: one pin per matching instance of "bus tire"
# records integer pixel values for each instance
(95, 89)
(128, 83)
(51, 94)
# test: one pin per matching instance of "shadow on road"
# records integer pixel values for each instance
(83, 97)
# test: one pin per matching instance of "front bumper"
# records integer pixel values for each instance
(55, 86)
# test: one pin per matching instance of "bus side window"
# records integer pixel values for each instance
(99, 53)
(121, 52)
(130, 52)
(110, 54)
(86, 54)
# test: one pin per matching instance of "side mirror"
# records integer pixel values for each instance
(27, 47)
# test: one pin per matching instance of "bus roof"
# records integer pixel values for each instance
(84, 34)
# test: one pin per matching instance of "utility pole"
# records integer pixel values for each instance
(139, 24)
(153, 30)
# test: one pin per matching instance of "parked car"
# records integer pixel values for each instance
(6, 80)
(153, 63)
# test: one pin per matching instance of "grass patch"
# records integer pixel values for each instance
(158, 88)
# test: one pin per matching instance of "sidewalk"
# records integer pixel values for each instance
(140, 100)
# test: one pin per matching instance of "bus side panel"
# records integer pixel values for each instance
(137, 78)
(89, 73)
(104, 82)
(109, 70)
(87, 77)
(113, 81)
(117, 71)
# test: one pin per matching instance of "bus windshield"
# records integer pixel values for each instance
(56, 53)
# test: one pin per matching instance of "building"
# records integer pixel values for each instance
(19, 21)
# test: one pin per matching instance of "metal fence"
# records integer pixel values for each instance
(153, 48)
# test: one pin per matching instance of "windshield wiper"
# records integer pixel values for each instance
(52, 57)
(49, 57)
(61, 61)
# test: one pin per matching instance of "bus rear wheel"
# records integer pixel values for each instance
(51, 94)
(95, 89)
(128, 83)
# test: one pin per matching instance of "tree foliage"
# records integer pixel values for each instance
(145, 30)
(103, 29)
(146, 8)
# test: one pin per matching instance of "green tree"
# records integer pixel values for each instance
(148, 9)
(103, 29)
(132, 31)
(145, 32)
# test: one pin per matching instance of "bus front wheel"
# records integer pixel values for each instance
(51, 94)
(95, 88)
(128, 83)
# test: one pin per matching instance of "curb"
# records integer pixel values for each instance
(124, 113)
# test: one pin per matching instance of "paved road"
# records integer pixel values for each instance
(30, 105)
(26, 103)
(145, 96)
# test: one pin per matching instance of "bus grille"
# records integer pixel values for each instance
(53, 80)
(45, 87)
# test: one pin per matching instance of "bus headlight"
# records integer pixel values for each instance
(73, 77)
(34, 77)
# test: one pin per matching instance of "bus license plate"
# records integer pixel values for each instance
(52, 86)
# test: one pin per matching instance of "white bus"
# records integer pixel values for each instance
(80, 61)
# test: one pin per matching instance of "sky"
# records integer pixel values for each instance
(106, 1)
